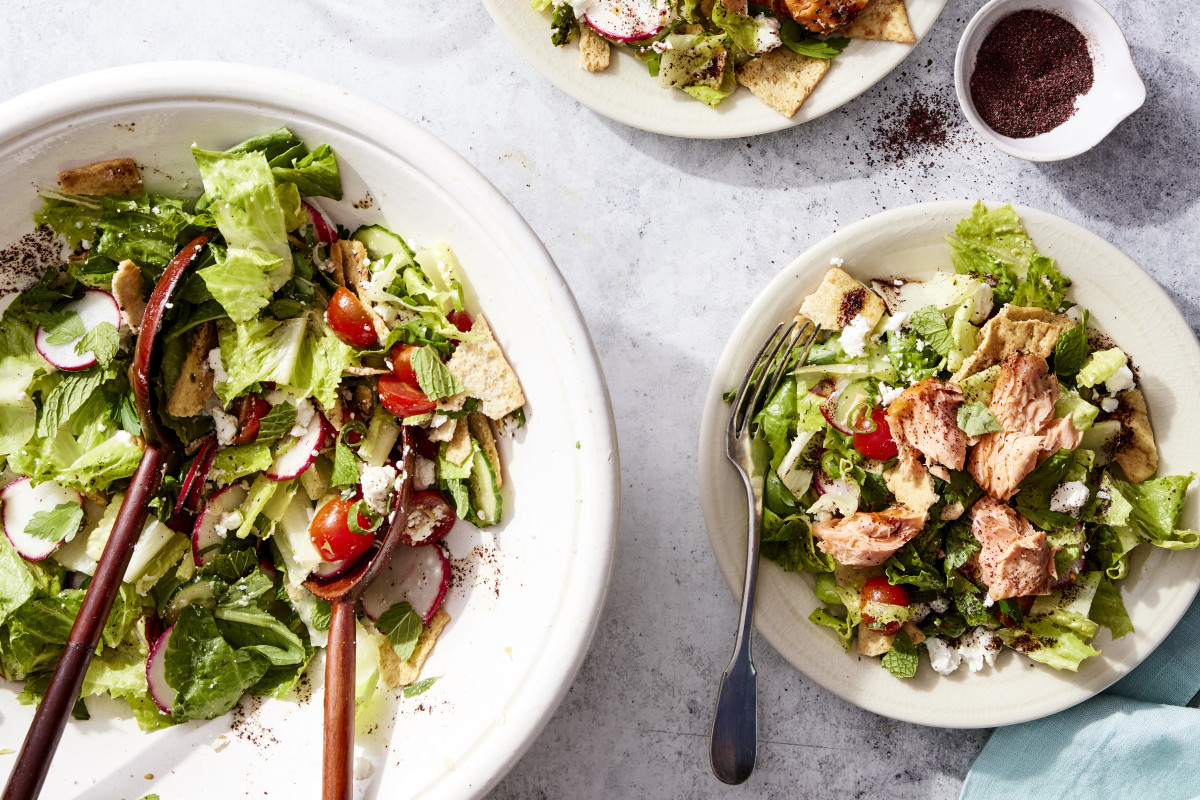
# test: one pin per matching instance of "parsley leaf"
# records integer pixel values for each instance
(432, 376)
(278, 421)
(402, 627)
(902, 659)
(930, 325)
(67, 397)
(1071, 351)
(62, 327)
(976, 419)
(420, 687)
(102, 341)
(55, 525)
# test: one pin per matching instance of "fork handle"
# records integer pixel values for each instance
(733, 745)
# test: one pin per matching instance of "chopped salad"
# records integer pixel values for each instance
(965, 464)
(292, 356)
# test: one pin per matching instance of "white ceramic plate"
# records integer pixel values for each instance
(525, 605)
(1126, 304)
(626, 92)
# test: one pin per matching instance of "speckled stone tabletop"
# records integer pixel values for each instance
(665, 242)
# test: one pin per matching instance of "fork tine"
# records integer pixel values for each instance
(740, 398)
(782, 364)
(768, 363)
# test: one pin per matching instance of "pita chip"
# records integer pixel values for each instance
(886, 20)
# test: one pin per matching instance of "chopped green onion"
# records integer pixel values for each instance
(361, 507)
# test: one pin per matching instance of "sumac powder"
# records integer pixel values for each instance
(1028, 73)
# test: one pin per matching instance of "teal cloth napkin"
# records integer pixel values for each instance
(1135, 740)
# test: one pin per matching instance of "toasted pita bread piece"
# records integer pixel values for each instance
(886, 20)
(839, 299)
(397, 673)
(481, 366)
(1137, 453)
(195, 384)
(1015, 329)
(594, 50)
(127, 289)
(782, 79)
(459, 448)
(115, 176)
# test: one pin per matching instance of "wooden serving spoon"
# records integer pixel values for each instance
(342, 593)
(162, 448)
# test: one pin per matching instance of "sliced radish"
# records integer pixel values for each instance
(156, 674)
(19, 501)
(94, 307)
(304, 450)
(420, 575)
(829, 407)
(325, 232)
(208, 531)
(629, 20)
(331, 569)
(189, 494)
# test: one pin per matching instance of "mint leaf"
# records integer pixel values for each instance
(62, 327)
(278, 421)
(960, 544)
(1071, 350)
(345, 465)
(975, 419)
(322, 612)
(432, 376)
(67, 397)
(55, 525)
(801, 41)
(402, 627)
(102, 341)
(930, 325)
(420, 687)
(902, 659)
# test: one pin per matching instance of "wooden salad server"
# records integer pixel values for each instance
(342, 592)
(29, 771)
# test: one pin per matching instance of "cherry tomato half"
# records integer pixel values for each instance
(403, 399)
(461, 320)
(430, 519)
(401, 358)
(878, 590)
(249, 409)
(330, 533)
(877, 444)
(349, 319)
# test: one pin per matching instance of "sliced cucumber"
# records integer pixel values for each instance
(487, 504)
(380, 439)
(854, 397)
(381, 242)
(200, 592)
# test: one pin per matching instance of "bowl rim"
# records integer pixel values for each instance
(987, 16)
(290, 93)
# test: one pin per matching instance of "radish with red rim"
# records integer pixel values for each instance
(94, 307)
(190, 489)
(417, 575)
(303, 450)
(208, 533)
(20, 501)
(161, 692)
(629, 20)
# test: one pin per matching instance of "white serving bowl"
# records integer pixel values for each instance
(1116, 92)
(524, 614)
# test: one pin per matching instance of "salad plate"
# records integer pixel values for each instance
(626, 93)
(1129, 308)
(526, 594)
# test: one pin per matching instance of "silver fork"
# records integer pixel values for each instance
(734, 740)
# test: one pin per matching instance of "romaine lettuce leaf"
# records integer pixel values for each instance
(209, 675)
(992, 245)
(1101, 366)
(301, 355)
(1155, 506)
(1044, 286)
(241, 281)
(1058, 639)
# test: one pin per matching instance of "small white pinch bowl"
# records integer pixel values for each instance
(1116, 92)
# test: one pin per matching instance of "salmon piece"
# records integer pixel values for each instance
(1014, 558)
(1025, 394)
(868, 538)
(820, 16)
(1060, 434)
(925, 417)
(1000, 461)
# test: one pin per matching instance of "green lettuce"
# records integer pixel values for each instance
(301, 355)
(241, 281)
(314, 174)
(1058, 639)
(1043, 286)
(209, 675)
(1154, 509)
(993, 246)
(741, 30)
(1071, 404)
(1101, 366)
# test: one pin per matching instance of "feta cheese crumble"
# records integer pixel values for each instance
(976, 647)
(229, 521)
(226, 424)
(1110, 404)
(888, 393)
(1121, 380)
(1069, 498)
(895, 322)
(377, 486)
(854, 336)
(767, 39)
(215, 364)
(423, 473)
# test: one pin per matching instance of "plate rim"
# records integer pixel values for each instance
(400, 138)
(588, 94)
(711, 460)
